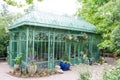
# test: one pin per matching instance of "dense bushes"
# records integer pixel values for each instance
(4, 39)
(112, 73)
(116, 39)
(84, 72)
(84, 75)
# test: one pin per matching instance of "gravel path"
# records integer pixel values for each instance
(72, 74)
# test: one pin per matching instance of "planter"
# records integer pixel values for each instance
(89, 61)
(32, 69)
(69, 37)
(64, 66)
(85, 37)
(16, 67)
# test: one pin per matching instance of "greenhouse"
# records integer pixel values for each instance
(45, 38)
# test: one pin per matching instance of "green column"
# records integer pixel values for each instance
(51, 50)
(33, 43)
(10, 53)
(78, 52)
(91, 45)
(75, 53)
(27, 33)
(69, 50)
(19, 43)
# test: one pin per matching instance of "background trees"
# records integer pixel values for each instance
(5, 19)
(105, 14)
(15, 3)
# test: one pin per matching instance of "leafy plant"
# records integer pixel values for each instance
(32, 68)
(84, 75)
(65, 57)
(85, 36)
(18, 59)
(85, 58)
(112, 73)
(69, 37)
(118, 62)
(116, 39)
(15, 3)
(3, 43)
(104, 17)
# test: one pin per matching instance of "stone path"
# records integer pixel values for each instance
(72, 74)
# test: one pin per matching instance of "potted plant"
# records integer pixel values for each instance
(76, 38)
(85, 37)
(17, 61)
(64, 64)
(32, 68)
(85, 58)
(90, 61)
(69, 37)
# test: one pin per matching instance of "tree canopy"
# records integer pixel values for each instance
(14, 2)
(105, 14)
(5, 19)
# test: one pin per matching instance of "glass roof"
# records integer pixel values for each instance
(50, 20)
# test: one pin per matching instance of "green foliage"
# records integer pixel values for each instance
(4, 36)
(118, 62)
(112, 73)
(105, 14)
(29, 1)
(84, 75)
(11, 2)
(116, 39)
(107, 45)
(3, 42)
(18, 59)
(15, 3)
(65, 57)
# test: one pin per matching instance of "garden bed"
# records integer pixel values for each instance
(40, 73)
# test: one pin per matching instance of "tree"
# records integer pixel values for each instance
(14, 3)
(5, 19)
(105, 14)
(116, 39)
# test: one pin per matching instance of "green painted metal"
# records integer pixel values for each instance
(27, 33)
(50, 20)
(44, 39)
(69, 50)
(50, 51)
(10, 54)
(75, 48)
(19, 43)
(33, 44)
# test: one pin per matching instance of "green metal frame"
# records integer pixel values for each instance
(48, 41)
(61, 42)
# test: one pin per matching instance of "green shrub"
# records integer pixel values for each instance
(18, 58)
(112, 74)
(118, 62)
(65, 57)
(115, 38)
(84, 76)
(4, 40)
